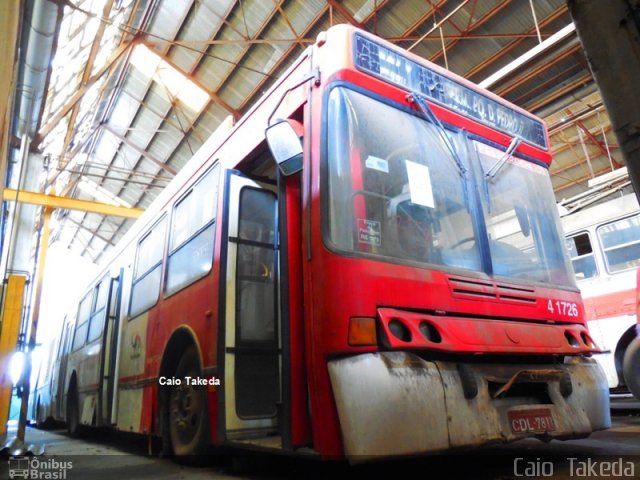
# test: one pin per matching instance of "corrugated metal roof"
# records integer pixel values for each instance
(129, 133)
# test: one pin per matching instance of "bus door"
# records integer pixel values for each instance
(109, 348)
(252, 354)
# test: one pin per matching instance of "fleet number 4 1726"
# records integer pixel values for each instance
(560, 307)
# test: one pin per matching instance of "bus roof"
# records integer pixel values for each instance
(601, 213)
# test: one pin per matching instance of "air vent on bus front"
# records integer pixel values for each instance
(472, 289)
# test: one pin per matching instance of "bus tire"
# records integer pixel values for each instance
(188, 419)
(631, 367)
(73, 413)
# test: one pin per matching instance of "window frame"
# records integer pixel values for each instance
(63, 338)
(86, 322)
(94, 313)
(171, 233)
(604, 250)
(136, 279)
(595, 250)
(474, 207)
(325, 172)
(276, 248)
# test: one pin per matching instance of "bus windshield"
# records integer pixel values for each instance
(396, 191)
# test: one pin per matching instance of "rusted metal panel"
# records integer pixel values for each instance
(389, 404)
(396, 403)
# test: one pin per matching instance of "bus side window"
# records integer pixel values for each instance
(63, 339)
(146, 282)
(621, 243)
(82, 321)
(96, 322)
(582, 257)
(192, 233)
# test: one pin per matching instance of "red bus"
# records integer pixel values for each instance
(381, 273)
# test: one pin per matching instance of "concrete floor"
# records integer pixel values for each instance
(109, 455)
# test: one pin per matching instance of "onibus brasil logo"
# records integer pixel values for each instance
(34, 468)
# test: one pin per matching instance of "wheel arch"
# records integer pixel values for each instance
(180, 340)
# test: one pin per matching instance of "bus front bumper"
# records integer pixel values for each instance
(396, 403)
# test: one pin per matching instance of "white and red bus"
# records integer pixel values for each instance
(604, 245)
(340, 284)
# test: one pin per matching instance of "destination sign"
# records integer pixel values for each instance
(391, 66)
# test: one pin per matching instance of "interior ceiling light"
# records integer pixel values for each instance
(153, 66)
(524, 58)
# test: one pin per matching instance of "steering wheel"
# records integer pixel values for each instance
(459, 243)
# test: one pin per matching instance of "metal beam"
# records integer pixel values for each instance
(528, 55)
(288, 22)
(259, 86)
(581, 179)
(559, 169)
(603, 150)
(86, 74)
(591, 109)
(164, 53)
(139, 150)
(538, 88)
(470, 27)
(548, 62)
(511, 45)
(309, 40)
(54, 201)
(259, 31)
(610, 37)
(564, 144)
(214, 96)
(107, 98)
(439, 24)
(75, 98)
(345, 13)
(555, 94)
(95, 234)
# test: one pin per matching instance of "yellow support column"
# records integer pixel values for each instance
(35, 317)
(9, 330)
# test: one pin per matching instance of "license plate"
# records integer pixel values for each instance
(531, 421)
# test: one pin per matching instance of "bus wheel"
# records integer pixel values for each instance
(631, 367)
(188, 424)
(73, 413)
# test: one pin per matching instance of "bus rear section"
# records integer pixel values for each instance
(631, 360)
(604, 244)
(443, 309)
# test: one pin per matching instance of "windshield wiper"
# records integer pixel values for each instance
(495, 168)
(427, 112)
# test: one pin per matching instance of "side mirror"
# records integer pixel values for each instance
(285, 147)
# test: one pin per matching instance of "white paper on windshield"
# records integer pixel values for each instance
(420, 184)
